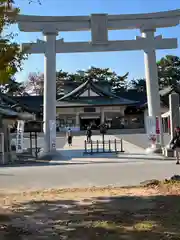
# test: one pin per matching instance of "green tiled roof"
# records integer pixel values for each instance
(6, 111)
(97, 101)
(104, 97)
(168, 90)
(17, 101)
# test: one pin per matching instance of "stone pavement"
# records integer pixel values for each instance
(75, 152)
(140, 139)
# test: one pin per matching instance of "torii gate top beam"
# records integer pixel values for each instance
(30, 23)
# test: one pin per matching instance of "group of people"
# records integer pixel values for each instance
(174, 143)
(70, 136)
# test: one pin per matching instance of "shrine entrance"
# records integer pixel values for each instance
(99, 25)
(86, 121)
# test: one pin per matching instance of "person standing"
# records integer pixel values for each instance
(175, 144)
(89, 134)
(69, 136)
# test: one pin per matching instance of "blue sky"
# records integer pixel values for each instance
(121, 62)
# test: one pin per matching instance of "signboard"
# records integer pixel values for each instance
(150, 125)
(158, 125)
(52, 125)
(151, 129)
(20, 137)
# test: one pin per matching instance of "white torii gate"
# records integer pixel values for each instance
(98, 24)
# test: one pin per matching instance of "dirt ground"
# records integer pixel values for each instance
(89, 214)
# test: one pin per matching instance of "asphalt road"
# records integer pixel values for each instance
(125, 172)
(84, 175)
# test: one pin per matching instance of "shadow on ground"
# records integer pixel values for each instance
(121, 217)
(76, 157)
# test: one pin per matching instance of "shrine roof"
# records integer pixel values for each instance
(13, 102)
(89, 93)
(7, 111)
(100, 101)
(169, 89)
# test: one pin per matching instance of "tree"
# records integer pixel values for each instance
(11, 56)
(168, 71)
(13, 88)
(101, 74)
(61, 76)
(77, 77)
(35, 84)
(118, 83)
(138, 84)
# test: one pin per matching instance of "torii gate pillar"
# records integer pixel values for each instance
(152, 85)
(49, 106)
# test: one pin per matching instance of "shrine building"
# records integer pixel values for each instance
(91, 104)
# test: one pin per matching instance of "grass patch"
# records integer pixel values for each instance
(147, 212)
(145, 226)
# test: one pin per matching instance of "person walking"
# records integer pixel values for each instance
(69, 136)
(89, 134)
(175, 144)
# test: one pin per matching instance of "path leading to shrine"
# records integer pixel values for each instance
(140, 139)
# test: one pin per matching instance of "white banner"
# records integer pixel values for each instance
(20, 137)
(150, 125)
(52, 125)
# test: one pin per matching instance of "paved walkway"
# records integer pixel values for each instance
(75, 153)
(140, 139)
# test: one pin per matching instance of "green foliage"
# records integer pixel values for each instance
(139, 84)
(13, 88)
(168, 71)
(34, 83)
(101, 74)
(11, 56)
(117, 82)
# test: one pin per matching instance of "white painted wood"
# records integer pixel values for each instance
(89, 93)
(93, 94)
(85, 94)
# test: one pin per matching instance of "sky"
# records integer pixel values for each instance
(120, 62)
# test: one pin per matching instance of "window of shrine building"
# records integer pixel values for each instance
(89, 110)
(70, 122)
(61, 122)
(136, 120)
